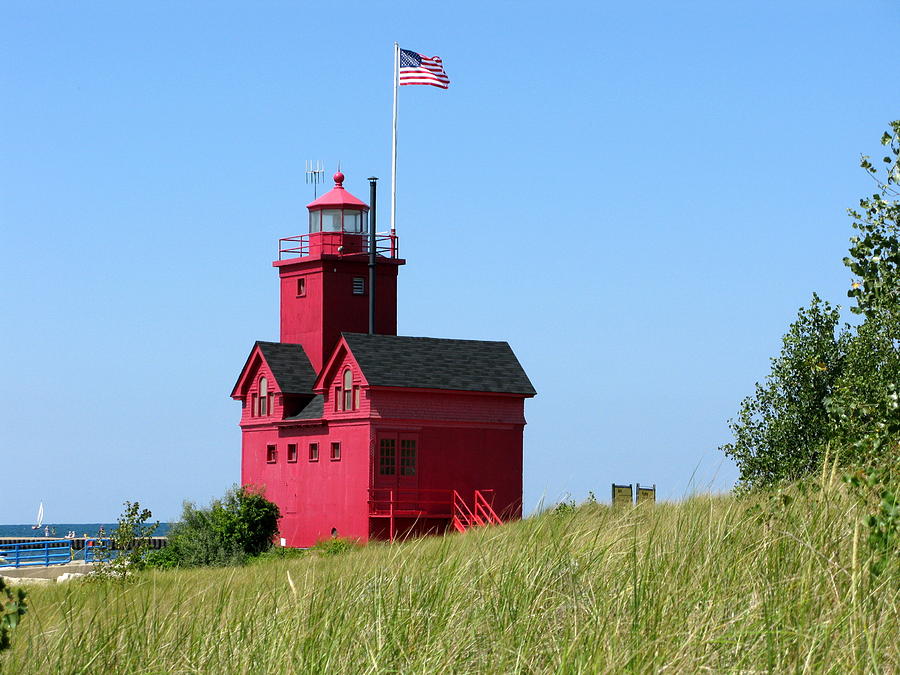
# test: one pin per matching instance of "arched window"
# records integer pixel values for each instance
(263, 396)
(348, 389)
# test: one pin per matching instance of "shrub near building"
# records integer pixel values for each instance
(228, 531)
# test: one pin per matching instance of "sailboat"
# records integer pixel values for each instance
(40, 517)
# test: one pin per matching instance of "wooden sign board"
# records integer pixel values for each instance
(622, 495)
(646, 495)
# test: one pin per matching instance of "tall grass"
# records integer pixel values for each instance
(776, 584)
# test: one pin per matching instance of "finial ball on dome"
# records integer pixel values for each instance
(338, 178)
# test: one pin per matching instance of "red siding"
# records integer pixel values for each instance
(447, 406)
(329, 307)
(313, 496)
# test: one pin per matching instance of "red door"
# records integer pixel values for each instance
(396, 470)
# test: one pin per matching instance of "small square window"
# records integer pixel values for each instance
(335, 452)
(359, 285)
(271, 454)
(292, 452)
(301, 287)
(313, 452)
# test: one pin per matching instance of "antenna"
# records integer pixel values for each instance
(315, 172)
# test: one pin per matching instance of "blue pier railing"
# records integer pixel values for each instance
(97, 549)
(36, 553)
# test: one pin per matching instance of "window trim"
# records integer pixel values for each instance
(335, 451)
(292, 453)
(313, 452)
(271, 453)
(301, 287)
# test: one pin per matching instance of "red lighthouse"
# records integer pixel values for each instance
(369, 434)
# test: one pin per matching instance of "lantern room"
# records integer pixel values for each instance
(339, 218)
(338, 211)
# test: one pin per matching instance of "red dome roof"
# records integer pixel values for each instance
(337, 198)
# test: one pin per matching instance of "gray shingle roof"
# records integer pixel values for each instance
(436, 363)
(290, 366)
(313, 410)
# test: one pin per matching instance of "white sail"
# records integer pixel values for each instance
(40, 517)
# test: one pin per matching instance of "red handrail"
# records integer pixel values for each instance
(485, 509)
(396, 503)
(337, 243)
(461, 511)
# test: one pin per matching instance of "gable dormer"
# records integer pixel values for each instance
(342, 384)
(275, 383)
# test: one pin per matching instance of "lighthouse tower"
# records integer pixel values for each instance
(324, 276)
(363, 433)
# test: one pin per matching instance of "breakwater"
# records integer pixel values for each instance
(78, 543)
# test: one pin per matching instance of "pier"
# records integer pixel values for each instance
(78, 543)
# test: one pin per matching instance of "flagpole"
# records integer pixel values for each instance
(394, 142)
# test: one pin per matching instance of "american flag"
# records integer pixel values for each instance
(419, 69)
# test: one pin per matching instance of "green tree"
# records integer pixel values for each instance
(782, 431)
(875, 253)
(866, 402)
(865, 406)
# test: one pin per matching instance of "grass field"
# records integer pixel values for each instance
(711, 584)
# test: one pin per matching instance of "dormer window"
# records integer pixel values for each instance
(263, 397)
(346, 396)
(348, 389)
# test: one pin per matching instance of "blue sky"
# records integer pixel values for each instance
(637, 196)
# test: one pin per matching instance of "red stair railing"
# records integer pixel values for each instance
(463, 516)
(483, 508)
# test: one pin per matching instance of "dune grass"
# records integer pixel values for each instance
(778, 583)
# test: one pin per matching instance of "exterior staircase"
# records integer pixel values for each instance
(482, 513)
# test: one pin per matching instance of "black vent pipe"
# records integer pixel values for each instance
(372, 205)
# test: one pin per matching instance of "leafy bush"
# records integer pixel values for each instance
(228, 531)
(12, 609)
(132, 541)
(279, 553)
(335, 546)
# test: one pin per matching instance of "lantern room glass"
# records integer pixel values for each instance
(331, 220)
(339, 220)
(351, 221)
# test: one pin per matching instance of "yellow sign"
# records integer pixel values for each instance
(622, 495)
(646, 494)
